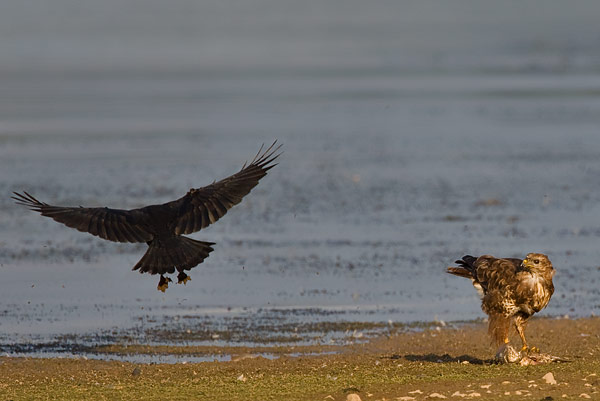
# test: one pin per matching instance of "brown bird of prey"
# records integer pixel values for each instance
(511, 290)
(162, 226)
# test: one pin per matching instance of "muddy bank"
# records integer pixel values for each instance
(449, 362)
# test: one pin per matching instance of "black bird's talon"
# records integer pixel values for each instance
(183, 278)
(163, 283)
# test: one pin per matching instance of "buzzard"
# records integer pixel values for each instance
(162, 226)
(511, 290)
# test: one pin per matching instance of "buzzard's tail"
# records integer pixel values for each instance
(181, 253)
(466, 269)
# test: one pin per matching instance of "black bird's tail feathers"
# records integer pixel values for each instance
(466, 269)
(181, 253)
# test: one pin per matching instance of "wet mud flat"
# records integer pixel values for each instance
(434, 363)
(215, 335)
(356, 224)
(361, 233)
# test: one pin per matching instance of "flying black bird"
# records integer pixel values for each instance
(511, 290)
(162, 226)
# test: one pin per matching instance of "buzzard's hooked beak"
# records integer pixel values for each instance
(525, 264)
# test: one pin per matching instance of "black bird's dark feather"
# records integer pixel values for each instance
(161, 226)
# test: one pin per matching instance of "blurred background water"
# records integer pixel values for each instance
(414, 132)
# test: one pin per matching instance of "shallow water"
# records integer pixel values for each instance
(412, 136)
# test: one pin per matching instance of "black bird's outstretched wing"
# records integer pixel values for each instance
(203, 206)
(111, 224)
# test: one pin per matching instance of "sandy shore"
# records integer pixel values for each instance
(436, 363)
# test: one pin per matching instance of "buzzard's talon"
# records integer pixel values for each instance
(183, 278)
(529, 350)
(163, 283)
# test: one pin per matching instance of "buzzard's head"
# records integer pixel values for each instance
(538, 263)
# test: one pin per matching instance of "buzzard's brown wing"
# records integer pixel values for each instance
(110, 224)
(493, 273)
(486, 271)
(203, 206)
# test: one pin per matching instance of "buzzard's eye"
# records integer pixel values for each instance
(536, 261)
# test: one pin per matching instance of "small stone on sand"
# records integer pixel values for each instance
(353, 397)
(549, 378)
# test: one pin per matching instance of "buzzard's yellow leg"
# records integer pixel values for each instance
(520, 326)
(163, 283)
(183, 278)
